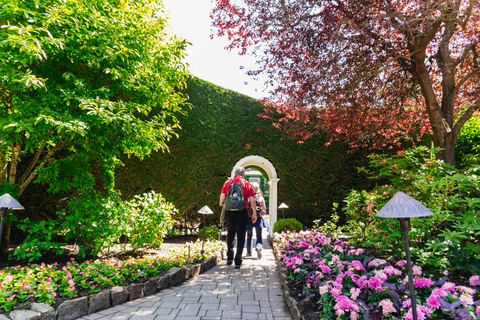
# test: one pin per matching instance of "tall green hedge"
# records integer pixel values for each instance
(224, 127)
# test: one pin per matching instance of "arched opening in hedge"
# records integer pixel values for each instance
(269, 169)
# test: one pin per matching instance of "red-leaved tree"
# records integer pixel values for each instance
(373, 73)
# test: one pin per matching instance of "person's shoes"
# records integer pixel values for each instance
(259, 253)
(229, 262)
(248, 255)
(237, 266)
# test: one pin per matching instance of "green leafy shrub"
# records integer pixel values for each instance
(291, 224)
(448, 238)
(467, 145)
(41, 238)
(329, 227)
(211, 233)
(95, 223)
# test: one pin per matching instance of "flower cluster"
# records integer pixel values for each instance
(348, 284)
(45, 282)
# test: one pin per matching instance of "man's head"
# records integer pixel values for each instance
(240, 171)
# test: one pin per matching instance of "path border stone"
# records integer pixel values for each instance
(108, 298)
(282, 270)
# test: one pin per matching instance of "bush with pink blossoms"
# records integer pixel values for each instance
(341, 281)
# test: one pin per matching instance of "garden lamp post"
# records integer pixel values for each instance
(404, 207)
(7, 202)
(205, 210)
(283, 206)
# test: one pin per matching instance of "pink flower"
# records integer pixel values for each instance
(357, 265)
(401, 263)
(387, 306)
(439, 292)
(478, 311)
(433, 302)
(335, 292)
(381, 275)
(407, 303)
(323, 289)
(326, 269)
(421, 313)
(423, 282)
(417, 270)
(375, 283)
(448, 286)
(362, 282)
(355, 292)
(376, 262)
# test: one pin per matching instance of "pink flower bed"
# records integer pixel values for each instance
(342, 282)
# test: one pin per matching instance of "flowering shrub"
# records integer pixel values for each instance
(342, 282)
(46, 283)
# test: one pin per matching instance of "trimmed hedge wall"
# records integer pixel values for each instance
(224, 127)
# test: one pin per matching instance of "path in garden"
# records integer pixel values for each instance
(223, 292)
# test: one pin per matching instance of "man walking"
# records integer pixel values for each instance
(236, 218)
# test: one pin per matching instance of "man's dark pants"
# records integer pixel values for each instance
(236, 223)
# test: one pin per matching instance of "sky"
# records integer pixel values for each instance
(208, 60)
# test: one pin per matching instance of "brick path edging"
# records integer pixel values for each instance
(80, 307)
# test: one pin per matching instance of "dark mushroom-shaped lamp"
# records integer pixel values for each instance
(205, 210)
(7, 202)
(283, 206)
(403, 207)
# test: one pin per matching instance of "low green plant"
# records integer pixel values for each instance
(291, 224)
(41, 237)
(211, 233)
(331, 226)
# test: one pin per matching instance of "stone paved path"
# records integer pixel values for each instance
(223, 292)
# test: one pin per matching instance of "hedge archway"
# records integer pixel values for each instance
(273, 180)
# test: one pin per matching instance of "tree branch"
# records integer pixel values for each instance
(16, 148)
(33, 175)
(465, 117)
(464, 79)
(464, 53)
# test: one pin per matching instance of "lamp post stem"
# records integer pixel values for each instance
(203, 243)
(3, 213)
(283, 212)
(413, 299)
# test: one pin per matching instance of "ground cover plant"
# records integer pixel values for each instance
(52, 283)
(341, 281)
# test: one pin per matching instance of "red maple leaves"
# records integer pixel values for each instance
(373, 73)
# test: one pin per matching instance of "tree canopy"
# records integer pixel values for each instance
(374, 73)
(81, 82)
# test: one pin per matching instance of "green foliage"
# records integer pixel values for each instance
(447, 239)
(95, 223)
(224, 127)
(467, 145)
(41, 238)
(211, 233)
(291, 224)
(331, 226)
(84, 82)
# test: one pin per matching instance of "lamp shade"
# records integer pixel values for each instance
(205, 210)
(402, 205)
(283, 206)
(7, 201)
